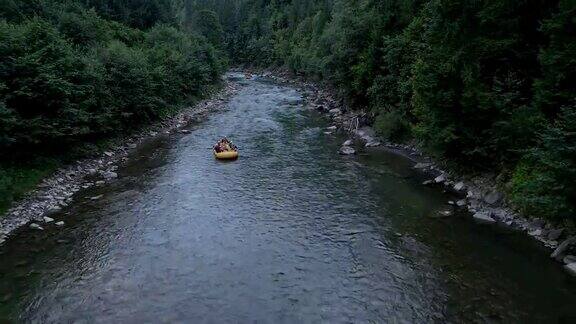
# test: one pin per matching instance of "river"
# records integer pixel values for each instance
(291, 232)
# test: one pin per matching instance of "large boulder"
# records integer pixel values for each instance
(560, 251)
(483, 218)
(492, 198)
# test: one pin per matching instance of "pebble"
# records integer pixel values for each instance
(48, 219)
(439, 179)
(59, 224)
(461, 203)
(347, 150)
(331, 128)
(35, 226)
(422, 165)
(460, 186)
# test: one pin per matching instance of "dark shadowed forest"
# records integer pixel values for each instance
(489, 86)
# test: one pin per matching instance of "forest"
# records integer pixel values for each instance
(488, 86)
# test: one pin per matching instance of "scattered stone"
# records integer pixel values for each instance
(347, 150)
(153, 133)
(461, 203)
(571, 268)
(569, 259)
(422, 165)
(48, 219)
(558, 254)
(35, 226)
(536, 232)
(108, 154)
(185, 131)
(348, 143)
(451, 202)
(331, 128)
(439, 179)
(483, 218)
(59, 224)
(327, 133)
(428, 182)
(109, 175)
(555, 234)
(373, 144)
(335, 111)
(96, 197)
(54, 210)
(100, 182)
(493, 198)
(446, 213)
(460, 186)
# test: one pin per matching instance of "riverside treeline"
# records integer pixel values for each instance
(74, 72)
(489, 86)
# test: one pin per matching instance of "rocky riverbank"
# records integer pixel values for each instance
(39, 207)
(478, 194)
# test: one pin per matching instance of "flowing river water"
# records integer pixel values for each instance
(290, 233)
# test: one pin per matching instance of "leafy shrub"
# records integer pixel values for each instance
(544, 183)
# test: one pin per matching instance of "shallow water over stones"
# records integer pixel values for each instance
(291, 232)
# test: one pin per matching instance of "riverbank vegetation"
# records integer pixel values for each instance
(489, 85)
(74, 73)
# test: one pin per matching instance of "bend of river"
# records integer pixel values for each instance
(290, 233)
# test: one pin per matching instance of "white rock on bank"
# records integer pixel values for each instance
(331, 128)
(347, 143)
(59, 224)
(439, 179)
(35, 226)
(460, 186)
(48, 219)
(483, 218)
(373, 144)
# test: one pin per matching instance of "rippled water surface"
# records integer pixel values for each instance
(291, 232)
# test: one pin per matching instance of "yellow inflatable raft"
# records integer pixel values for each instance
(227, 155)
